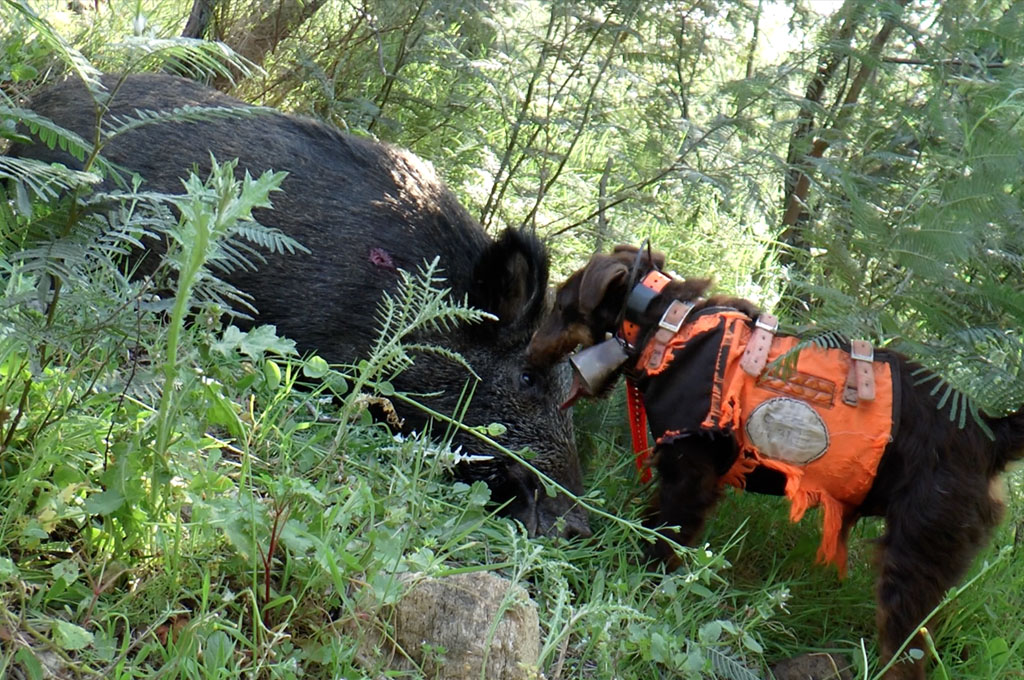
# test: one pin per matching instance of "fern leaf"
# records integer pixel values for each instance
(728, 667)
(269, 238)
(190, 57)
(437, 350)
(44, 180)
(118, 125)
(51, 134)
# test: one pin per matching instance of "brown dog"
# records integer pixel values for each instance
(928, 476)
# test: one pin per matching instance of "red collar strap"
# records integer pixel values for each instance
(638, 429)
(669, 325)
(630, 332)
(656, 281)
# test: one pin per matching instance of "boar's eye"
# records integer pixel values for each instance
(527, 379)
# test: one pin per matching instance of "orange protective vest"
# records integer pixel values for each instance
(791, 418)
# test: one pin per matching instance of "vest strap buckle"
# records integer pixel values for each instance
(755, 356)
(860, 381)
(671, 321)
(674, 317)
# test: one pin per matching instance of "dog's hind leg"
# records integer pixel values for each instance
(933, 530)
(689, 470)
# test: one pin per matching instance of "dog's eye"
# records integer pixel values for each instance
(527, 379)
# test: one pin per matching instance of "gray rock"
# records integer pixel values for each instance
(819, 666)
(469, 626)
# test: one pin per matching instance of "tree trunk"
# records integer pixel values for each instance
(265, 24)
(797, 180)
(199, 19)
(798, 177)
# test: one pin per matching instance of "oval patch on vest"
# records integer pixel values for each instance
(788, 430)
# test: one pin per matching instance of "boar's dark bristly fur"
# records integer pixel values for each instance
(365, 210)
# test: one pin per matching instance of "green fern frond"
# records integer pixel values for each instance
(412, 320)
(421, 305)
(212, 290)
(977, 335)
(443, 352)
(51, 134)
(936, 246)
(268, 238)
(1001, 297)
(954, 401)
(833, 299)
(248, 251)
(1004, 257)
(190, 57)
(56, 259)
(418, 308)
(185, 56)
(827, 340)
(786, 364)
(729, 667)
(44, 181)
(235, 255)
(118, 125)
(95, 244)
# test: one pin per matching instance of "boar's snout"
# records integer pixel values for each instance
(541, 514)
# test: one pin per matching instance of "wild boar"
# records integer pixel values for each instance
(364, 210)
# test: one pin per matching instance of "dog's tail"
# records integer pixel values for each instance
(1009, 435)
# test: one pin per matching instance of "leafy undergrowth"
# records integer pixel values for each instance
(268, 537)
(184, 500)
(268, 544)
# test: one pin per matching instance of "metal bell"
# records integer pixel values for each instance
(593, 366)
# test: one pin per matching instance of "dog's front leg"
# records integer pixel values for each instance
(688, 470)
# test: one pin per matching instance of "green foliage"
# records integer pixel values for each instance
(190, 466)
(186, 500)
(913, 232)
(419, 307)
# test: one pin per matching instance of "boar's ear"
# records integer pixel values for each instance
(510, 279)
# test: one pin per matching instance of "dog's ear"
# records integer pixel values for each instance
(600, 273)
(656, 259)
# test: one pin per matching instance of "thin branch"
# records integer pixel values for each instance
(827, 64)
(955, 63)
(581, 126)
(796, 199)
(752, 52)
(403, 50)
(498, 187)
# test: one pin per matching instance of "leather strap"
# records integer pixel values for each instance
(656, 281)
(668, 326)
(755, 356)
(860, 380)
